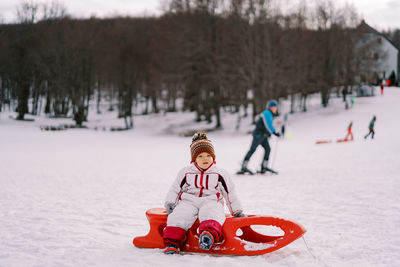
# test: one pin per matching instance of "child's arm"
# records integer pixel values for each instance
(175, 190)
(229, 193)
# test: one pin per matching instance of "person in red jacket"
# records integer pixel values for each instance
(349, 133)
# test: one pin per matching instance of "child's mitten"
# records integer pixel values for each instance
(169, 207)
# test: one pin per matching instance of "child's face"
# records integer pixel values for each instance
(204, 160)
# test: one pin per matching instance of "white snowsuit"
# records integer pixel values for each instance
(200, 194)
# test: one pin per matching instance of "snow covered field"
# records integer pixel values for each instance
(78, 197)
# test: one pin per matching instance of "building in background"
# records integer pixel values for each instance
(384, 54)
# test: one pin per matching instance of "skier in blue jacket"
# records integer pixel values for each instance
(264, 129)
(371, 128)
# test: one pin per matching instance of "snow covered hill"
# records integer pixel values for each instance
(78, 197)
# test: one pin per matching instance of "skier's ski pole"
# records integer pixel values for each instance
(274, 156)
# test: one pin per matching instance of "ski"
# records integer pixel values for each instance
(244, 172)
(267, 170)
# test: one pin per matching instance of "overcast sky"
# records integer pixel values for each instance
(380, 14)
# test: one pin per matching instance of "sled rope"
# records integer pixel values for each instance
(309, 251)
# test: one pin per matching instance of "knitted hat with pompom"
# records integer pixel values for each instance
(200, 144)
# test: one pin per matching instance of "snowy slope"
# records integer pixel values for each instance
(78, 197)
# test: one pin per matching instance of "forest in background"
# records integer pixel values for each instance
(213, 54)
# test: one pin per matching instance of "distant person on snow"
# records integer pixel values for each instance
(264, 129)
(371, 128)
(382, 87)
(349, 132)
(198, 192)
(283, 128)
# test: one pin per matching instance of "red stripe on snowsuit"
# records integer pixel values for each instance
(201, 184)
(228, 201)
(195, 181)
(201, 179)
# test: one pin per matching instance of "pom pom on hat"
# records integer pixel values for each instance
(200, 144)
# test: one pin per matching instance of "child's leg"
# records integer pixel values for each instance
(178, 222)
(212, 217)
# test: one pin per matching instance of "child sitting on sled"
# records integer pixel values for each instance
(198, 192)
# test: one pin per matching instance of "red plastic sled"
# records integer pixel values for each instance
(248, 242)
(343, 140)
(323, 142)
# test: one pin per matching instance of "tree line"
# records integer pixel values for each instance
(213, 54)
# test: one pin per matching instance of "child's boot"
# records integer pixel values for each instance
(171, 249)
(173, 239)
(206, 240)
